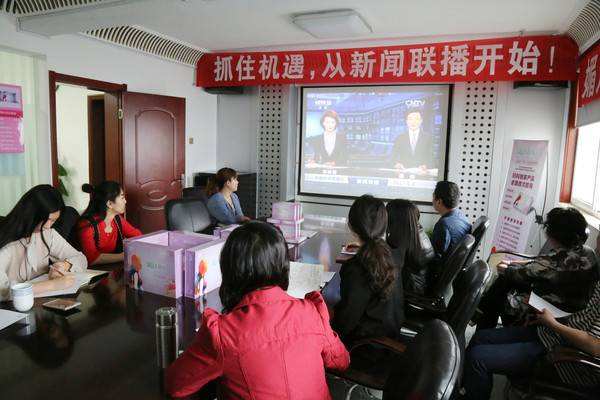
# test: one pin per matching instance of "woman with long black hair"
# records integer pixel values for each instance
(29, 245)
(102, 227)
(372, 302)
(411, 248)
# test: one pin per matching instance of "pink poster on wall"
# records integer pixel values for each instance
(11, 135)
(11, 101)
(11, 119)
(523, 185)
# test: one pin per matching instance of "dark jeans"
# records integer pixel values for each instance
(509, 351)
(493, 303)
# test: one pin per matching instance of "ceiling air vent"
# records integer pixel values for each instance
(138, 38)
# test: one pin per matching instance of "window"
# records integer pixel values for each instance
(586, 179)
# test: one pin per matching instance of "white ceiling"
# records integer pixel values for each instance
(238, 24)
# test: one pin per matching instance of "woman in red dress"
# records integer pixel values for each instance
(102, 227)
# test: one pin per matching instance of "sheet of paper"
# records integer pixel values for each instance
(81, 280)
(326, 276)
(539, 304)
(304, 278)
(8, 318)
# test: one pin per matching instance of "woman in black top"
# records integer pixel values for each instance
(371, 293)
(411, 248)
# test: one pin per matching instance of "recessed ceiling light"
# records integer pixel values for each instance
(332, 24)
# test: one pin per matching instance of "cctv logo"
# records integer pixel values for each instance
(414, 103)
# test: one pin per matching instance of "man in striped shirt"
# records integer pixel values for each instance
(514, 350)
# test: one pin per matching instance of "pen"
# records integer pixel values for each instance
(57, 270)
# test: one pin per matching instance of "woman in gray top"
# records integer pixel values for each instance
(223, 204)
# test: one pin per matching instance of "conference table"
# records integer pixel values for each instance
(106, 349)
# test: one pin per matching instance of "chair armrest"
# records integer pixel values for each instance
(386, 342)
(560, 354)
(427, 304)
(514, 253)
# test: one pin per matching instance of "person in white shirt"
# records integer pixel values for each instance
(330, 147)
(414, 148)
(29, 247)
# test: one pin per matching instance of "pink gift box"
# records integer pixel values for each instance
(223, 232)
(286, 211)
(155, 262)
(202, 268)
(290, 229)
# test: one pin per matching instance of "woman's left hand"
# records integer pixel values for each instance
(546, 318)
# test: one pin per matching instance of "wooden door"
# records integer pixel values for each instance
(96, 139)
(153, 156)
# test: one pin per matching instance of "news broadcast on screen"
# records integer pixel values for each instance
(389, 141)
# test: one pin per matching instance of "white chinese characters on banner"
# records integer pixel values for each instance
(456, 59)
(332, 69)
(422, 61)
(525, 60)
(521, 191)
(362, 64)
(538, 58)
(489, 54)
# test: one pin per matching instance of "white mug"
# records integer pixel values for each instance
(22, 296)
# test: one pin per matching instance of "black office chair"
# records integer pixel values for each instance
(542, 386)
(65, 225)
(188, 215)
(195, 193)
(480, 227)
(468, 288)
(438, 294)
(428, 368)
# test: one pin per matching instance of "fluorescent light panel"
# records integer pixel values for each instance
(333, 24)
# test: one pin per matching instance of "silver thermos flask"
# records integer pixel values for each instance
(167, 343)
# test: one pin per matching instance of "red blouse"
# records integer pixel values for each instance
(270, 346)
(107, 242)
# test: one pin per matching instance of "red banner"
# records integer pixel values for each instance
(589, 85)
(524, 58)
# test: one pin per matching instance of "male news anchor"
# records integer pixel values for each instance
(414, 148)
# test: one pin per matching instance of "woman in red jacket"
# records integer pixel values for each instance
(102, 227)
(266, 344)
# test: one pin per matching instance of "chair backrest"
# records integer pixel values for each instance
(442, 287)
(187, 215)
(468, 289)
(480, 226)
(430, 367)
(195, 193)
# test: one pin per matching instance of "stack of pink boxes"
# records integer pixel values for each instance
(173, 264)
(222, 232)
(288, 217)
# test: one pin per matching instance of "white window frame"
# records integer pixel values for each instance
(594, 208)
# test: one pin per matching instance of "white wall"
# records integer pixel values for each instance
(89, 58)
(237, 130)
(72, 141)
(529, 114)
